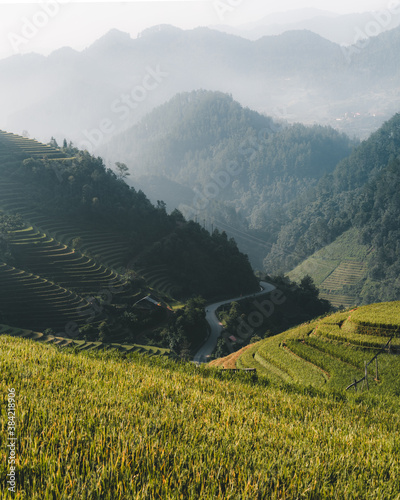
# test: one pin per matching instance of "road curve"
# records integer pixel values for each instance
(216, 328)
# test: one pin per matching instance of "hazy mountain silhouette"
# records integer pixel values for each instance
(341, 29)
(296, 76)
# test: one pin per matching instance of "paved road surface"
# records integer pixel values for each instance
(216, 328)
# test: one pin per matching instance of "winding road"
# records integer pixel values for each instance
(216, 328)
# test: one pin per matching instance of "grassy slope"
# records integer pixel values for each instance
(95, 427)
(331, 352)
(336, 261)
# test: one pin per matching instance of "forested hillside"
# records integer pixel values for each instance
(361, 195)
(227, 165)
(283, 191)
(82, 188)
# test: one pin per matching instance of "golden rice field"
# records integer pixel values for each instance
(101, 426)
(330, 353)
(384, 316)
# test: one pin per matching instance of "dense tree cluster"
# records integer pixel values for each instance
(298, 303)
(82, 188)
(187, 328)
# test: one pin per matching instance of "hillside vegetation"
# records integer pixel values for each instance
(224, 164)
(104, 426)
(331, 352)
(82, 345)
(338, 269)
(360, 196)
(81, 191)
(284, 192)
(249, 320)
(80, 251)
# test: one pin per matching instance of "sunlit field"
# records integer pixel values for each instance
(101, 426)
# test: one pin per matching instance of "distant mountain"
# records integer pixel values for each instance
(90, 96)
(112, 41)
(340, 29)
(290, 17)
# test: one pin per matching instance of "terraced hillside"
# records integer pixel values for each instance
(55, 266)
(50, 285)
(87, 257)
(337, 269)
(158, 280)
(13, 145)
(72, 198)
(44, 255)
(108, 247)
(82, 345)
(347, 274)
(29, 301)
(331, 352)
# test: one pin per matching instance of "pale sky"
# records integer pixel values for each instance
(48, 25)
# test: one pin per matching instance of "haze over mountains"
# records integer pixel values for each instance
(345, 29)
(296, 76)
(185, 252)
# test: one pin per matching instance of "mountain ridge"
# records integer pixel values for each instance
(214, 61)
